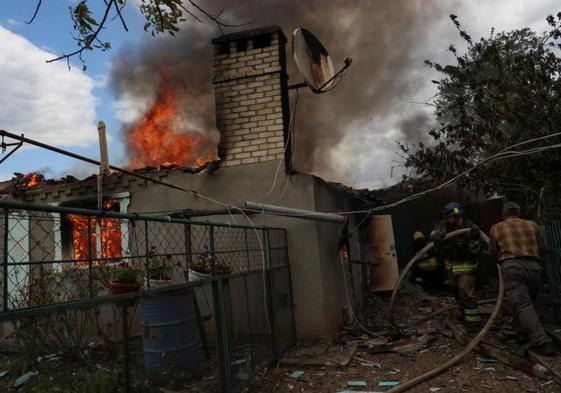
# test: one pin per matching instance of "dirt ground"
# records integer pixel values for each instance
(476, 373)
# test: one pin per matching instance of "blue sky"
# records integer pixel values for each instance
(55, 106)
(51, 32)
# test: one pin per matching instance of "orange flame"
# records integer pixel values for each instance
(110, 234)
(203, 161)
(34, 179)
(80, 236)
(155, 140)
(84, 231)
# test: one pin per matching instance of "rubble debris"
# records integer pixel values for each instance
(368, 363)
(24, 379)
(296, 374)
(3, 373)
(485, 359)
(356, 391)
(388, 383)
(401, 346)
(331, 355)
(99, 367)
(356, 383)
(502, 355)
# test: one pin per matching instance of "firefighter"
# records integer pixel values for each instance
(460, 255)
(518, 246)
(428, 271)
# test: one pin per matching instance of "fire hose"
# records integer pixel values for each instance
(472, 344)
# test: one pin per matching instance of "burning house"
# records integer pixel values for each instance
(252, 162)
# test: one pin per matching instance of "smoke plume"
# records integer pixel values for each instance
(380, 36)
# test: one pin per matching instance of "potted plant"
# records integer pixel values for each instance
(160, 270)
(207, 265)
(126, 280)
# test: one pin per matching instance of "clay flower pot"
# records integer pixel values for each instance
(118, 288)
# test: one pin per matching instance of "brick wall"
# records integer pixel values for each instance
(251, 95)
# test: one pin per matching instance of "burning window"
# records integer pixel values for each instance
(100, 238)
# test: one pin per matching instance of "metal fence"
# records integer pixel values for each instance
(58, 264)
(552, 232)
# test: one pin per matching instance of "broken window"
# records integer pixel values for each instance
(97, 237)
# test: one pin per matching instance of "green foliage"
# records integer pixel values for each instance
(126, 275)
(503, 90)
(160, 267)
(207, 263)
(162, 16)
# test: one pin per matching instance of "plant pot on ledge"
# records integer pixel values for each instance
(126, 280)
(160, 272)
(206, 266)
(118, 288)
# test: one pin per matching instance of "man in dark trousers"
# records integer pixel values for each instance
(519, 248)
(460, 255)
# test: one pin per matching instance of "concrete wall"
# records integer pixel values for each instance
(316, 273)
(332, 277)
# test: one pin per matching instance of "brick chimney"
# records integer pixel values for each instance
(250, 84)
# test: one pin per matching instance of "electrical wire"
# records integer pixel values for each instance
(286, 144)
(350, 307)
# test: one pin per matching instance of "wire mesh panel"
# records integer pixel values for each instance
(59, 299)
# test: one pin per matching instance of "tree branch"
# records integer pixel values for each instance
(216, 19)
(92, 38)
(119, 14)
(30, 21)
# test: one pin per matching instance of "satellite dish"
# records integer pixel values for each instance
(312, 60)
(314, 63)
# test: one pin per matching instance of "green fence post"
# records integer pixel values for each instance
(126, 359)
(269, 291)
(5, 267)
(290, 289)
(211, 241)
(222, 335)
(90, 259)
(147, 255)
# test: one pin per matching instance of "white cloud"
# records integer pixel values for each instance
(44, 101)
(13, 22)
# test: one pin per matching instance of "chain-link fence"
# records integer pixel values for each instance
(215, 304)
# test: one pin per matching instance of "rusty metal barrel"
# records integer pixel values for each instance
(170, 336)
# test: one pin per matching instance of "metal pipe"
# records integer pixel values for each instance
(6, 204)
(332, 218)
(67, 153)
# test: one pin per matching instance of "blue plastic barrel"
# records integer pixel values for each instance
(170, 336)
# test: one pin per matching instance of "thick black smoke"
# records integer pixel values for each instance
(413, 128)
(380, 36)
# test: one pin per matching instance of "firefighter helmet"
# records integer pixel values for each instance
(453, 209)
